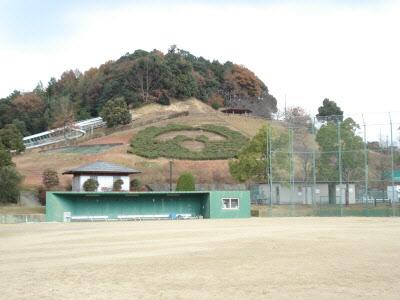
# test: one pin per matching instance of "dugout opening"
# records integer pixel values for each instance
(120, 206)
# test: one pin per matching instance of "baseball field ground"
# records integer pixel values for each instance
(257, 258)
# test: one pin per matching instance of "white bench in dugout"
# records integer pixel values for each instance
(89, 218)
(183, 216)
(153, 217)
(143, 217)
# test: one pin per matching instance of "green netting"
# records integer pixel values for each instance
(22, 218)
(333, 210)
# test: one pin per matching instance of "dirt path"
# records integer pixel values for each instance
(320, 258)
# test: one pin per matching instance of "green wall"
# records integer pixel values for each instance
(216, 207)
(56, 205)
(206, 204)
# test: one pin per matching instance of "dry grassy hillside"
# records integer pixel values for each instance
(32, 163)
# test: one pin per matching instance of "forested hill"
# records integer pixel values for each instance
(141, 77)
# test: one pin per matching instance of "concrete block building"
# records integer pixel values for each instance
(71, 206)
(302, 193)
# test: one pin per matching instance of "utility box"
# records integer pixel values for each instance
(393, 193)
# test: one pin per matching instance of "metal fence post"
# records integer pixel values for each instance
(340, 166)
(392, 163)
(365, 161)
(291, 168)
(269, 140)
(313, 164)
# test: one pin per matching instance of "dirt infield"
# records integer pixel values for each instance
(319, 258)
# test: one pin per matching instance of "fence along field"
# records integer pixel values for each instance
(337, 166)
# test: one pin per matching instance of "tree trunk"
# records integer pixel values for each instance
(147, 81)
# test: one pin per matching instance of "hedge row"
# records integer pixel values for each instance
(145, 143)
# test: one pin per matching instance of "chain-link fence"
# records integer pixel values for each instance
(331, 166)
(21, 218)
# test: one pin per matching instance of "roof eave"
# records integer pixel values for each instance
(100, 173)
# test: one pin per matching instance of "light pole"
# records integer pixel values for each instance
(170, 175)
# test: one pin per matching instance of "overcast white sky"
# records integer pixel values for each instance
(348, 51)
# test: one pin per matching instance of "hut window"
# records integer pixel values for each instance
(230, 203)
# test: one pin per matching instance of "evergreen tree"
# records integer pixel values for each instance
(253, 160)
(117, 185)
(5, 158)
(11, 138)
(10, 181)
(351, 147)
(116, 112)
(186, 182)
(90, 185)
(329, 111)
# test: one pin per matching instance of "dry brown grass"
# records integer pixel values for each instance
(193, 105)
(259, 258)
(247, 125)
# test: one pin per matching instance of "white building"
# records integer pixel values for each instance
(104, 173)
(303, 194)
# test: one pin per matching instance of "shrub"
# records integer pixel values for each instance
(41, 193)
(90, 185)
(215, 105)
(136, 184)
(115, 112)
(163, 99)
(50, 178)
(11, 138)
(216, 98)
(146, 144)
(68, 185)
(186, 182)
(10, 181)
(117, 185)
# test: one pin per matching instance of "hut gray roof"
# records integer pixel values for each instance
(101, 167)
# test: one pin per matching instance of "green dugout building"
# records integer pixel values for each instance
(90, 206)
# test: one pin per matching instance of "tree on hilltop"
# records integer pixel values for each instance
(329, 111)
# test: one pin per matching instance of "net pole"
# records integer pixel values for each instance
(365, 161)
(269, 140)
(267, 158)
(313, 165)
(291, 168)
(392, 161)
(340, 166)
